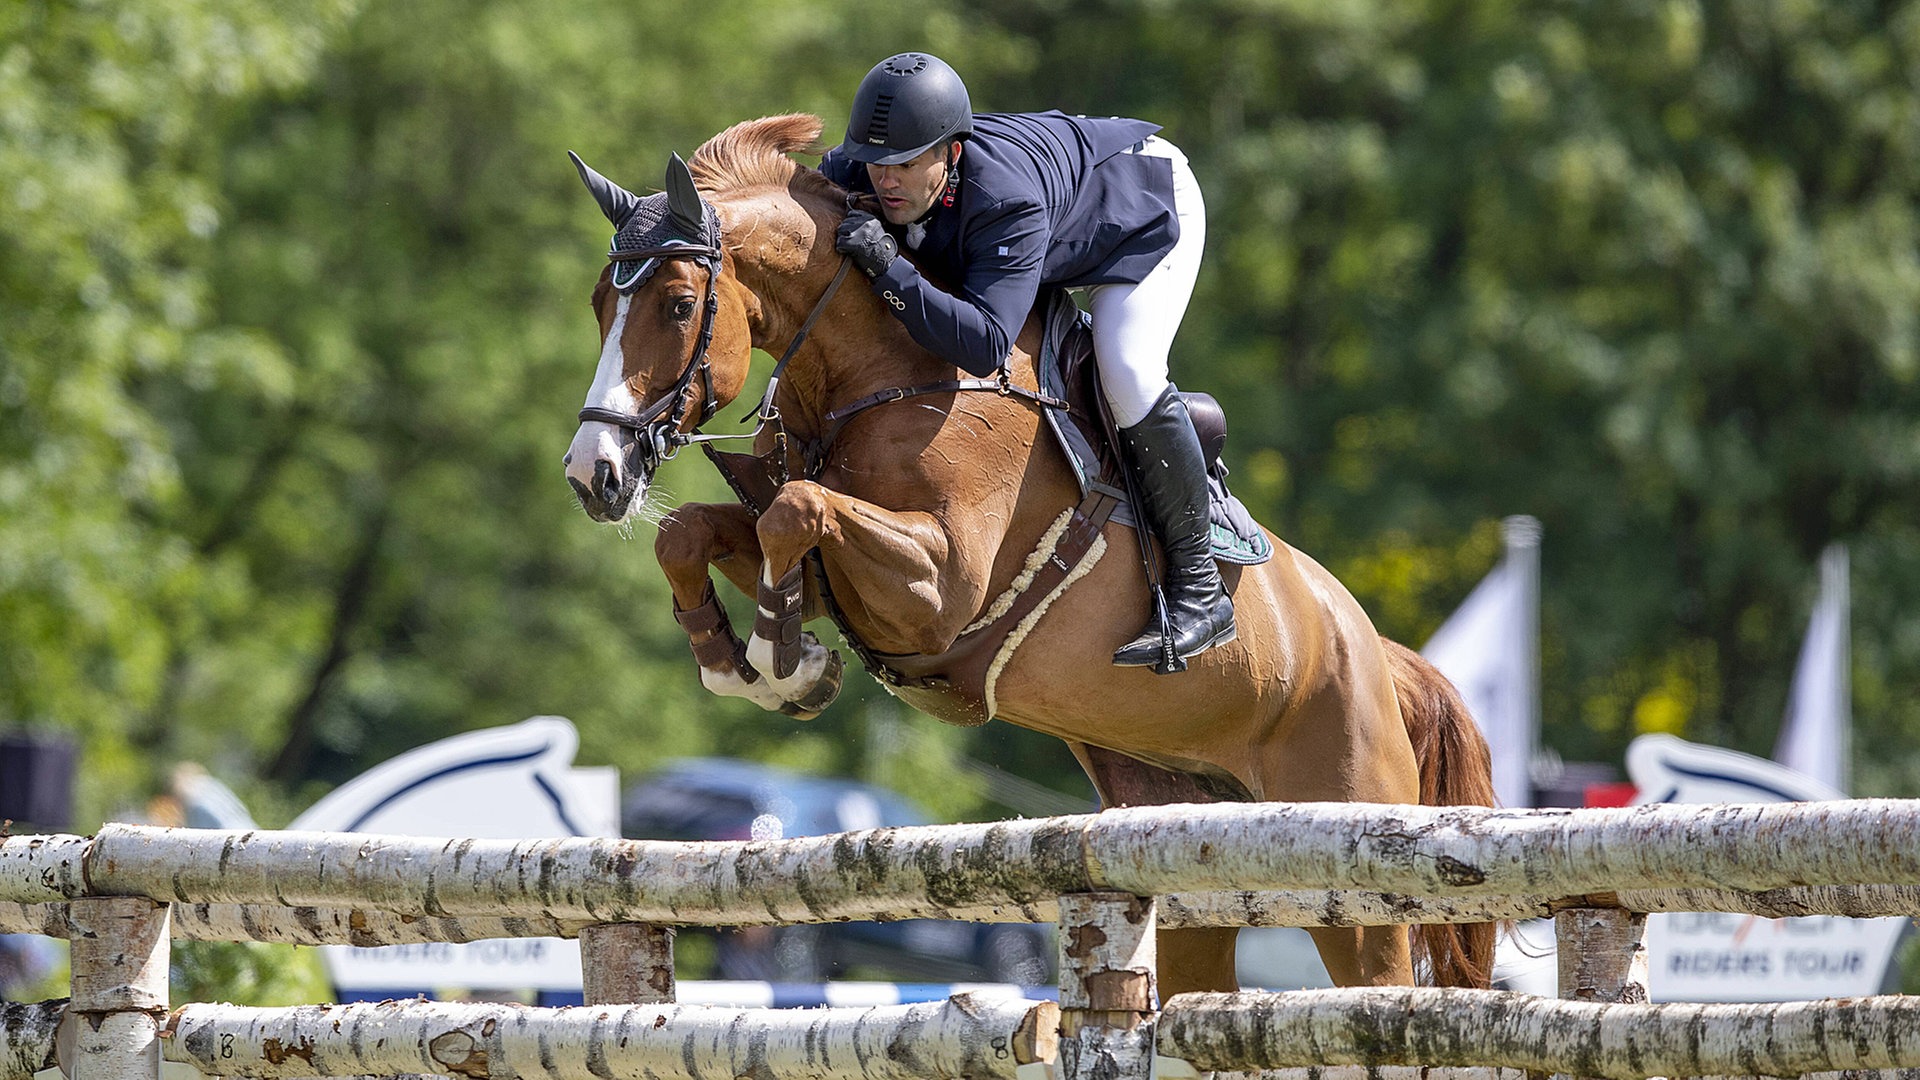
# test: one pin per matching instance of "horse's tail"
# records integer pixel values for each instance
(1455, 770)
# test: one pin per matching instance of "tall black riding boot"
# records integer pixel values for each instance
(1170, 474)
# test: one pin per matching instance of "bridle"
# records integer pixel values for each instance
(656, 428)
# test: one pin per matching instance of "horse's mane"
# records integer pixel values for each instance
(753, 153)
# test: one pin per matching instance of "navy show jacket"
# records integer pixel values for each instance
(1045, 199)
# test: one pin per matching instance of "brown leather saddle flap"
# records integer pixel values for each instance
(1068, 369)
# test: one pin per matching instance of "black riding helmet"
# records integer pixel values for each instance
(907, 103)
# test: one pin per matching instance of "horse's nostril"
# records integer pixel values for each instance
(568, 459)
(603, 480)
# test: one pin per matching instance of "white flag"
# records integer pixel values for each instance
(1488, 649)
(1815, 738)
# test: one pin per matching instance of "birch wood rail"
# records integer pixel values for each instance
(27, 1037)
(1297, 907)
(964, 1036)
(930, 871)
(1478, 1027)
(1682, 859)
(301, 925)
(1359, 907)
(42, 869)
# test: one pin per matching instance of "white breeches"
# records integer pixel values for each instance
(1134, 324)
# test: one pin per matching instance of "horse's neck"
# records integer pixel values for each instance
(854, 349)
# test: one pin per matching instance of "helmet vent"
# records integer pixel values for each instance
(877, 126)
(906, 64)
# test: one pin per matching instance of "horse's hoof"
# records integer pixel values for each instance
(821, 694)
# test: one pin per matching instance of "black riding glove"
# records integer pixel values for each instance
(866, 241)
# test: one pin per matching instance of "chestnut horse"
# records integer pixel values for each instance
(930, 513)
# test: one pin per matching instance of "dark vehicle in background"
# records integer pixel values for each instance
(727, 799)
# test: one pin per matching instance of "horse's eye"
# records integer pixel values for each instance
(683, 309)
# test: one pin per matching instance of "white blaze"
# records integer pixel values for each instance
(595, 441)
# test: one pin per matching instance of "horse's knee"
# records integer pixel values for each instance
(682, 542)
(793, 523)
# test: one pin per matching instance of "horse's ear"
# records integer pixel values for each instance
(615, 201)
(684, 199)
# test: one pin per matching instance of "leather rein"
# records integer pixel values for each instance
(657, 427)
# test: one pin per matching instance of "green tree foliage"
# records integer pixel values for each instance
(293, 326)
(112, 213)
(300, 508)
(247, 972)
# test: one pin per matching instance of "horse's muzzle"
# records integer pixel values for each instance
(608, 497)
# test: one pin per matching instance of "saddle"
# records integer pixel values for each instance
(1085, 433)
(957, 686)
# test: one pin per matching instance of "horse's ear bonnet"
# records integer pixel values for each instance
(673, 218)
(689, 213)
(615, 201)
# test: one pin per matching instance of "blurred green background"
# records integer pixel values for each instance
(293, 327)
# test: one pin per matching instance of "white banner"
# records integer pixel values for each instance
(1486, 648)
(503, 783)
(1815, 737)
(1722, 957)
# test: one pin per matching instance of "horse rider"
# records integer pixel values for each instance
(1002, 204)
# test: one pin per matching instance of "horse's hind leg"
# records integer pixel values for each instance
(1200, 958)
(1365, 955)
(1345, 742)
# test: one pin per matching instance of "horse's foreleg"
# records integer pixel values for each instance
(907, 596)
(897, 552)
(698, 535)
(895, 560)
(690, 539)
(800, 669)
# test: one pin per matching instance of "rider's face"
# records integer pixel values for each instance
(907, 190)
